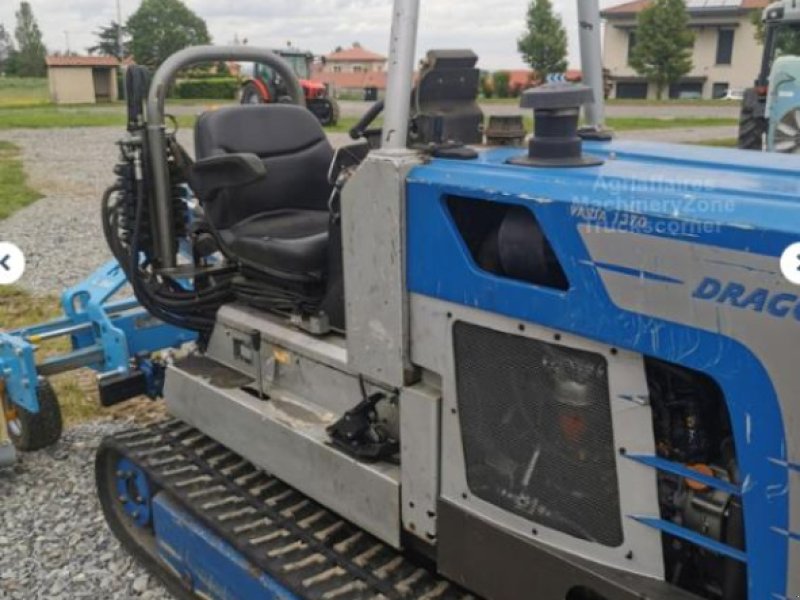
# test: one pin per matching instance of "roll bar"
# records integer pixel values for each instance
(592, 61)
(402, 50)
(162, 79)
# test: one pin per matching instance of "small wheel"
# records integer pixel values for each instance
(251, 94)
(33, 431)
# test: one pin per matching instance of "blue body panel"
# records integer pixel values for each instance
(753, 203)
(212, 566)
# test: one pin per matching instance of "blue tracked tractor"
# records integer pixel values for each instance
(429, 369)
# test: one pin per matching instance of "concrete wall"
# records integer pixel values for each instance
(71, 85)
(739, 74)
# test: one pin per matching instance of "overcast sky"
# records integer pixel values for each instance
(490, 28)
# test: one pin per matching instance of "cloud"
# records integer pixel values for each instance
(491, 29)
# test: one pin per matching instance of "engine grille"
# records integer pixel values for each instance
(537, 433)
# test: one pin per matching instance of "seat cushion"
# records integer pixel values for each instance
(283, 240)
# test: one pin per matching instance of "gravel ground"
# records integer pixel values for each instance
(54, 543)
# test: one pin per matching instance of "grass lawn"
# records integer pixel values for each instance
(630, 123)
(719, 143)
(75, 390)
(23, 91)
(49, 116)
(633, 123)
(14, 191)
(624, 102)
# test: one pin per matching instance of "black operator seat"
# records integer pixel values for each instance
(277, 224)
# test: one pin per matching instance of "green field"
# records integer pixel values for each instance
(49, 116)
(630, 123)
(625, 102)
(720, 143)
(14, 190)
(19, 91)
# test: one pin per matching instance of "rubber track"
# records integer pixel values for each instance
(299, 543)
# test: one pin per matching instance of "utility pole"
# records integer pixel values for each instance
(66, 38)
(119, 31)
(119, 45)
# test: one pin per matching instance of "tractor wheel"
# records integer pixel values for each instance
(752, 127)
(251, 94)
(328, 112)
(34, 431)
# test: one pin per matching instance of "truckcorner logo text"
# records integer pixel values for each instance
(777, 304)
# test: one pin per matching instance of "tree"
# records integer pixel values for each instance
(487, 85)
(30, 54)
(544, 43)
(161, 27)
(663, 43)
(501, 83)
(108, 41)
(6, 48)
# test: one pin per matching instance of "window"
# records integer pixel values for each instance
(725, 46)
(631, 45)
(686, 90)
(719, 90)
(632, 90)
(337, 69)
(507, 240)
(358, 69)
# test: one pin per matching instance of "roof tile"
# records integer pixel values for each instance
(636, 6)
(355, 54)
(81, 61)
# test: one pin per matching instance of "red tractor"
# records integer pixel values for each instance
(263, 85)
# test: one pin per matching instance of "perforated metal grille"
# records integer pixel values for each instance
(537, 433)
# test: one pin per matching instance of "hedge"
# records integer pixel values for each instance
(214, 88)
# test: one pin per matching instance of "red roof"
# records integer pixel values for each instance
(371, 79)
(355, 54)
(81, 61)
(628, 8)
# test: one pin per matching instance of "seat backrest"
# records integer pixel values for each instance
(290, 142)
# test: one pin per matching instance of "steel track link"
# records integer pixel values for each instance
(301, 544)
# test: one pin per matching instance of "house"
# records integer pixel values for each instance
(82, 79)
(353, 72)
(366, 85)
(726, 55)
(354, 60)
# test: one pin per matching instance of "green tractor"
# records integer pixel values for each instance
(765, 113)
(262, 85)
